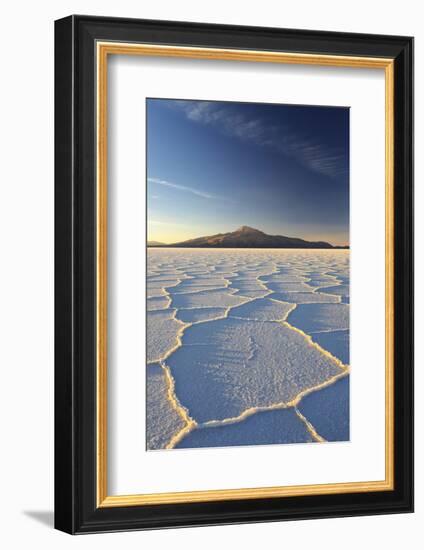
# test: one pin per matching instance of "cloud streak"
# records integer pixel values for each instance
(184, 188)
(309, 153)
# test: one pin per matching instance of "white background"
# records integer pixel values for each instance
(26, 218)
(131, 80)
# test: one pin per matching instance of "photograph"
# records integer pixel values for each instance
(247, 277)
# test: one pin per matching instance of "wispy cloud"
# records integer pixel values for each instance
(181, 188)
(306, 151)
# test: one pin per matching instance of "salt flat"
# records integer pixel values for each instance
(247, 346)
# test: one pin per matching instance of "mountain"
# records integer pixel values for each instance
(155, 243)
(248, 237)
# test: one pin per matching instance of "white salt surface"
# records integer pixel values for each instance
(305, 297)
(339, 290)
(320, 317)
(250, 341)
(282, 286)
(322, 282)
(162, 332)
(196, 284)
(163, 421)
(202, 314)
(328, 410)
(158, 302)
(263, 309)
(227, 366)
(334, 341)
(284, 278)
(268, 427)
(207, 298)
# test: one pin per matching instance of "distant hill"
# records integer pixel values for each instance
(248, 237)
(155, 243)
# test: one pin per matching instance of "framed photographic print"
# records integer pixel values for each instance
(233, 274)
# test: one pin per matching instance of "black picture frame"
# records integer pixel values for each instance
(76, 509)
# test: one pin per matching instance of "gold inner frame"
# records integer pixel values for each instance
(104, 49)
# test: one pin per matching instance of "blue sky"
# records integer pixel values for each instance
(214, 166)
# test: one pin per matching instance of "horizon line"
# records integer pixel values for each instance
(316, 240)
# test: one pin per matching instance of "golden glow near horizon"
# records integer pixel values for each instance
(169, 233)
